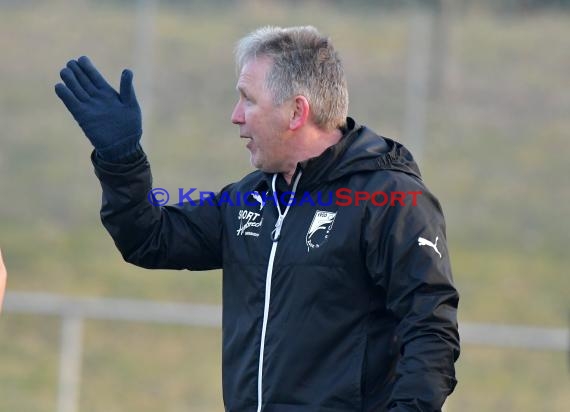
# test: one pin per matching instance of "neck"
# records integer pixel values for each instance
(309, 145)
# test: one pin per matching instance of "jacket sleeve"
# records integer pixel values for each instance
(167, 237)
(419, 290)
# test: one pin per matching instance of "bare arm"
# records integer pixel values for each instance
(3, 276)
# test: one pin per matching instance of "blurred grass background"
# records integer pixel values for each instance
(496, 155)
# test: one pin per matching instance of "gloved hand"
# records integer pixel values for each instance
(110, 120)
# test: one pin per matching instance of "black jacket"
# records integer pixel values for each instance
(351, 308)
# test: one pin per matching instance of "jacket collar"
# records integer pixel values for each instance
(359, 149)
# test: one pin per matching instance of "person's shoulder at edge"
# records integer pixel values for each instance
(3, 277)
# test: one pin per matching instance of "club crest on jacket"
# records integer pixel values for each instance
(319, 229)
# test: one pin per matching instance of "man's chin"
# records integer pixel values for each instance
(261, 167)
(252, 160)
(255, 161)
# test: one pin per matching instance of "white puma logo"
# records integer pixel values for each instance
(425, 242)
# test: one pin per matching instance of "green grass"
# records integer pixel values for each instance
(492, 379)
(138, 367)
(28, 363)
(496, 155)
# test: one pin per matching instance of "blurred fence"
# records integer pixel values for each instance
(74, 311)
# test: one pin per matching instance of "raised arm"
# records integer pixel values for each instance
(168, 237)
(148, 236)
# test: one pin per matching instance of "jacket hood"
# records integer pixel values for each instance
(359, 150)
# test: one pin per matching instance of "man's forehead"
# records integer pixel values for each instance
(254, 70)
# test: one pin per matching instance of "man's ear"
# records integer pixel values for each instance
(300, 113)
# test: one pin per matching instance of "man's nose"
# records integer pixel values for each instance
(238, 116)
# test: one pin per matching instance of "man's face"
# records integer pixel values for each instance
(259, 120)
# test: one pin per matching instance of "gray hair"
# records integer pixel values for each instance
(304, 63)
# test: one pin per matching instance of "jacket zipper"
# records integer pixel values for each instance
(275, 235)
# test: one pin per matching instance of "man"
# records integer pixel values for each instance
(343, 306)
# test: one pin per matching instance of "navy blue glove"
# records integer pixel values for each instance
(110, 120)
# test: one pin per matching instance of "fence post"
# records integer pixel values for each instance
(418, 77)
(70, 363)
(145, 27)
